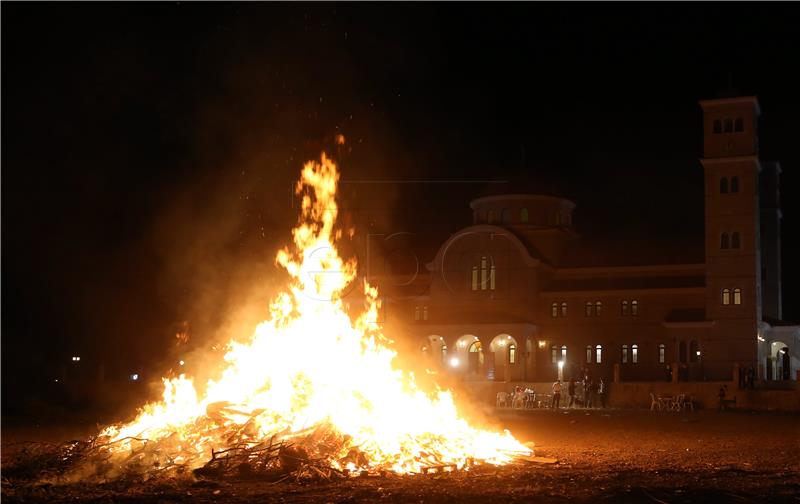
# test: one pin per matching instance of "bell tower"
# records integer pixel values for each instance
(732, 225)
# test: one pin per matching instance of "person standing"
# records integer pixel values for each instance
(556, 395)
(590, 394)
(571, 391)
(601, 393)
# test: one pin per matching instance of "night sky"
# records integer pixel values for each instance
(148, 150)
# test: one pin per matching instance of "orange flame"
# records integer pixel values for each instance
(311, 365)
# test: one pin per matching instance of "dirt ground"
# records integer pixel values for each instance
(603, 456)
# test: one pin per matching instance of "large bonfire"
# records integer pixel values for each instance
(341, 396)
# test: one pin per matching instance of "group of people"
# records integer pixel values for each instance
(586, 393)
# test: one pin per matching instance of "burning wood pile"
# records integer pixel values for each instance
(339, 409)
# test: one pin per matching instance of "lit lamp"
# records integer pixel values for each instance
(542, 343)
(454, 362)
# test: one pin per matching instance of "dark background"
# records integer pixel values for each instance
(148, 150)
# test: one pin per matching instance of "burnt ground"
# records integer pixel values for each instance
(603, 456)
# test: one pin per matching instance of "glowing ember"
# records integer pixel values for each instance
(346, 383)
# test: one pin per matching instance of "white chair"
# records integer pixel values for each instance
(678, 404)
(689, 403)
(501, 399)
(654, 403)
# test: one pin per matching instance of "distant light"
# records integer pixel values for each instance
(560, 364)
(454, 362)
(542, 343)
(181, 362)
(698, 352)
(76, 359)
(135, 376)
(56, 380)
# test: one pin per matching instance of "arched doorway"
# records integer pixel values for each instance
(779, 362)
(505, 355)
(469, 356)
(434, 349)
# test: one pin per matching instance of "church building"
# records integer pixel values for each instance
(500, 304)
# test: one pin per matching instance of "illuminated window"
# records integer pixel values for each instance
(512, 354)
(554, 354)
(424, 313)
(416, 313)
(564, 309)
(564, 353)
(598, 308)
(728, 125)
(726, 297)
(523, 215)
(734, 184)
(661, 352)
(735, 240)
(624, 308)
(554, 310)
(717, 126)
(483, 273)
(588, 353)
(635, 354)
(738, 125)
(474, 278)
(589, 309)
(724, 241)
(634, 307)
(737, 296)
(599, 353)
(492, 277)
(478, 349)
(723, 185)
(624, 354)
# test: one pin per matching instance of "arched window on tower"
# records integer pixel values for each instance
(723, 185)
(717, 126)
(724, 241)
(554, 310)
(598, 308)
(624, 354)
(728, 125)
(588, 353)
(416, 313)
(523, 215)
(738, 125)
(599, 354)
(726, 297)
(589, 309)
(634, 307)
(564, 309)
(635, 354)
(624, 308)
(735, 241)
(734, 184)
(563, 353)
(554, 354)
(661, 353)
(424, 313)
(492, 272)
(737, 296)
(474, 278)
